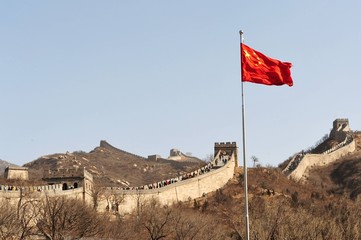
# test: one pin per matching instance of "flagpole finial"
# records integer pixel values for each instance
(241, 35)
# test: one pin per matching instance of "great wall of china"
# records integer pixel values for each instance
(199, 183)
(209, 178)
(300, 164)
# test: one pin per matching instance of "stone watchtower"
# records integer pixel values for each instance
(340, 128)
(70, 179)
(227, 148)
(20, 173)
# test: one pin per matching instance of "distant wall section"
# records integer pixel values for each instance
(310, 161)
(301, 163)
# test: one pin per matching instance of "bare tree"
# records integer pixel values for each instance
(9, 224)
(114, 199)
(62, 218)
(27, 211)
(209, 158)
(155, 220)
(255, 160)
(96, 194)
(17, 219)
(140, 201)
(188, 225)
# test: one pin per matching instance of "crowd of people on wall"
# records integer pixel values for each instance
(9, 188)
(223, 159)
(295, 161)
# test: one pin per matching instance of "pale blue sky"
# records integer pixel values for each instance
(148, 76)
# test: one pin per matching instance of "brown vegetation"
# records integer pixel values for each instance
(342, 177)
(325, 207)
(278, 209)
(49, 218)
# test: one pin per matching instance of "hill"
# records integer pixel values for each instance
(280, 208)
(111, 166)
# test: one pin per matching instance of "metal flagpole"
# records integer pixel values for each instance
(244, 148)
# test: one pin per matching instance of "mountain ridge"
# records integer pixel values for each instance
(112, 166)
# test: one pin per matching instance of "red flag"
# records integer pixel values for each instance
(258, 68)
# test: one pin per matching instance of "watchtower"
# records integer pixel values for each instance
(70, 178)
(340, 128)
(20, 173)
(341, 124)
(226, 148)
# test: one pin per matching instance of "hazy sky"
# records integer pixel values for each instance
(148, 76)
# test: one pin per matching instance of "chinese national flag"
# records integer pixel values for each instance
(258, 68)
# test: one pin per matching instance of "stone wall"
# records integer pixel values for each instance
(184, 190)
(310, 161)
(181, 191)
(300, 164)
(208, 179)
(12, 194)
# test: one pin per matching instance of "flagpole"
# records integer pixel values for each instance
(244, 149)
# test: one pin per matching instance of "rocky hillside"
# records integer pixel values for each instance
(280, 209)
(342, 177)
(111, 166)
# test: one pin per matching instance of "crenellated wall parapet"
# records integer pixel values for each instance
(13, 192)
(40, 188)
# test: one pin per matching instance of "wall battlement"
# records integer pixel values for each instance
(225, 144)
